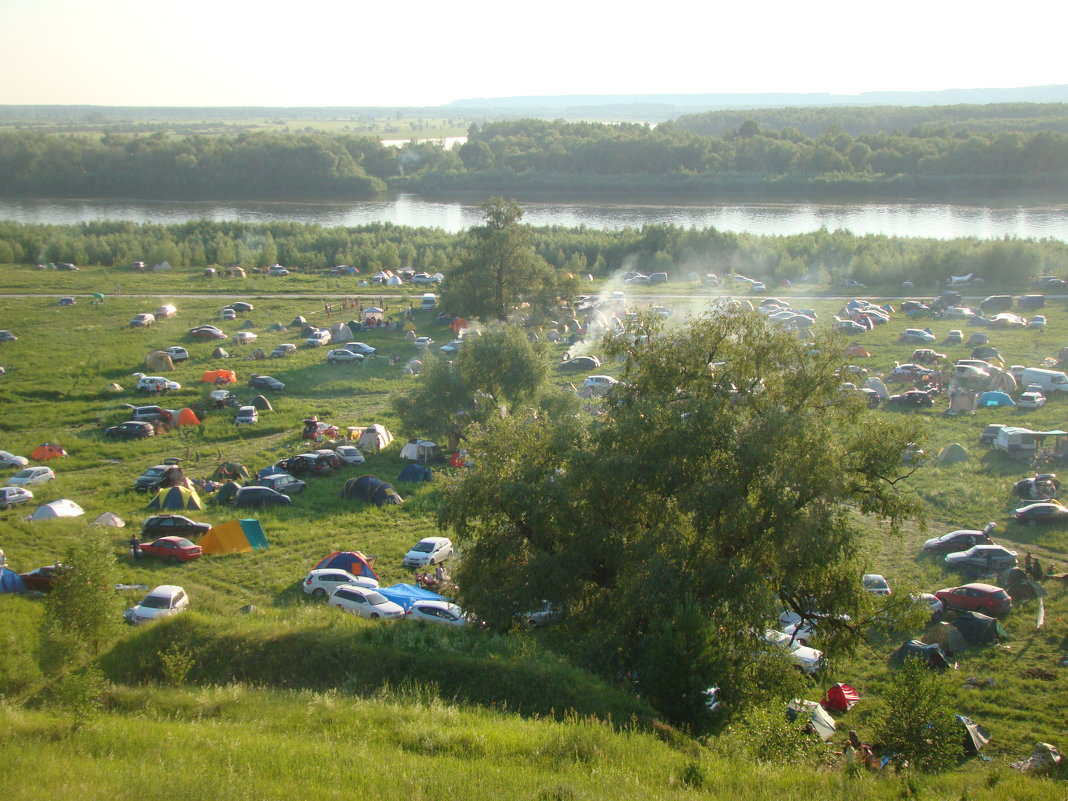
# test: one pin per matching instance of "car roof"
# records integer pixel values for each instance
(166, 589)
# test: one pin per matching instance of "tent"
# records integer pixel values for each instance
(817, 716)
(298, 322)
(340, 332)
(962, 401)
(995, 399)
(980, 629)
(947, 635)
(226, 491)
(231, 470)
(47, 451)
(113, 387)
(219, 377)
(159, 362)
(236, 536)
(372, 315)
(1003, 381)
(978, 338)
(176, 498)
(60, 508)
(953, 453)
(840, 698)
(187, 417)
(275, 327)
(407, 594)
(875, 383)
(10, 581)
(416, 472)
(109, 519)
(421, 450)
(262, 404)
(1017, 584)
(932, 655)
(371, 489)
(975, 736)
(988, 353)
(374, 438)
(220, 353)
(353, 561)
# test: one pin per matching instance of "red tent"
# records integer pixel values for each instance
(840, 698)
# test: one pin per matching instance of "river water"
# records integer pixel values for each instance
(907, 219)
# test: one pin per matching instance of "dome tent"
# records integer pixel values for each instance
(953, 453)
(353, 562)
(262, 404)
(374, 438)
(10, 581)
(371, 489)
(231, 470)
(187, 417)
(226, 492)
(236, 536)
(55, 509)
(109, 519)
(47, 451)
(176, 498)
(159, 362)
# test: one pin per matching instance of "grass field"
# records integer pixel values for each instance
(54, 390)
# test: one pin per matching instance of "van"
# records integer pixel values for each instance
(1047, 380)
(430, 301)
(142, 320)
(996, 303)
(247, 414)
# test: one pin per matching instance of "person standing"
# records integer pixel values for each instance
(135, 547)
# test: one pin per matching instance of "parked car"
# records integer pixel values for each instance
(911, 399)
(281, 351)
(437, 612)
(365, 602)
(959, 540)
(1049, 282)
(425, 278)
(350, 454)
(42, 579)
(918, 335)
(428, 551)
(245, 337)
(990, 433)
(1031, 400)
(229, 314)
(13, 496)
(8, 459)
(1038, 321)
(166, 310)
(277, 271)
(875, 584)
(206, 332)
(985, 598)
(1041, 512)
(156, 383)
(955, 337)
(452, 347)
(1031, 301)
(265, 382)
(131, 429)
(149, 414)
(579, 364)
(927, 356)
(166, 525)
(7, 336)
(164, 601)
(142, 320)
(259, 496)
(423, 343)
(598, 384)
(361, 348)
(318, 338)
(241, 306)
(281, 482)
(322, 582)
(152, 478)
(177, 353)
(178, 549)
(805, 659)
(32, 475)
(343, 356)
(984, 557)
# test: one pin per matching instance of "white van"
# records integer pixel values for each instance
(1047, 380)
(247, 414)
(430, 301)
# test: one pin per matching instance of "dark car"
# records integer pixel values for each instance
(241, 307)
(983, 558)
(147, 414)
(206, 332)
(259, 496)
(960, 540)
(996, 303)
(307, 464)
(266, 382)
(912, 399)
(1049, 282)
(1031, 301)
(131, 429)
(179, 525)
(579, 364)
(177, 548)
(985, 598)
(1042, 512)
(280, 482)
(990, 433)
(41, 579)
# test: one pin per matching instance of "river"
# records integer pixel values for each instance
(907, 219)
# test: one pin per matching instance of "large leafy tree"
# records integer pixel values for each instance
(501, 270)
(727, 472)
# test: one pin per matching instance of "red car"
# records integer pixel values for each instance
(985, 598)
(40, 580)
(177, 548)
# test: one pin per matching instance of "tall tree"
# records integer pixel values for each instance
(501, 269)
(726, 473)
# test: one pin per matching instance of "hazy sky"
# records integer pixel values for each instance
(415, 52)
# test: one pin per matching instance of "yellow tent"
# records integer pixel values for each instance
(236, 536)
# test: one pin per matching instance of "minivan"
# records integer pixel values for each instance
(430, 301)
(247, 414)
(996, 303)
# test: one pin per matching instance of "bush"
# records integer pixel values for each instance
(918, 718)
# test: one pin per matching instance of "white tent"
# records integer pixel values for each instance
(340, 332)
(60, 508)
(109, 519)
(374, 438)
(821, 721)
(877, 384)
(394, 280)
(372, 314)
(163, 265)
(420, 450)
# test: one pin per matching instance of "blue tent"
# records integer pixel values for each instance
(995, 399)
(416, 472)
(408, 594)
(10, 581)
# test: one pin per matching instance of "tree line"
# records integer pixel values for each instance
(816, 257)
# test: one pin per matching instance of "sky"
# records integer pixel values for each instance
(428, 53)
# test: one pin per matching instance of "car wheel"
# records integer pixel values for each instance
(374, 616)
(318, 592)
(802, 641)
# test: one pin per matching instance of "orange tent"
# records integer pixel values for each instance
(47, 451)
(187, 417)
(219, 377)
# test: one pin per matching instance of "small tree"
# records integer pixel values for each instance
(918, 718)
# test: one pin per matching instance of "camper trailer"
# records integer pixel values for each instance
(1019, 443)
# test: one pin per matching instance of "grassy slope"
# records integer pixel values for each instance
(65, 356)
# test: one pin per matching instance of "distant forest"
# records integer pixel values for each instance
(821, 257)
(787, 152)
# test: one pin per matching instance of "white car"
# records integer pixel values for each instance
(156, 383)
(229, 314)
(283, 350)
(8, 459)
(32, 475)
(598, 384)
(361, 348)
(177, 353)
(322, 582)
(247, 415)
(343, 356)
(164, 601)
(1031, 400)
(365, 602)
(277, 271)
(12, 496)
(428, 551)
(807, 660)
(245, 337)
(451, 347)
(422, 343)
(166, 310)
(437, 612)
(319, 338)
(350, 454)
(424, 278)
(875, 584)
(1038, 321)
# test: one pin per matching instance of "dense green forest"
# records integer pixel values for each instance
(1017, 147)
(819, 257)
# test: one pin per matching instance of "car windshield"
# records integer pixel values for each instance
(376, 599)
(156, 602)
(153, 472)
(423, 547)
